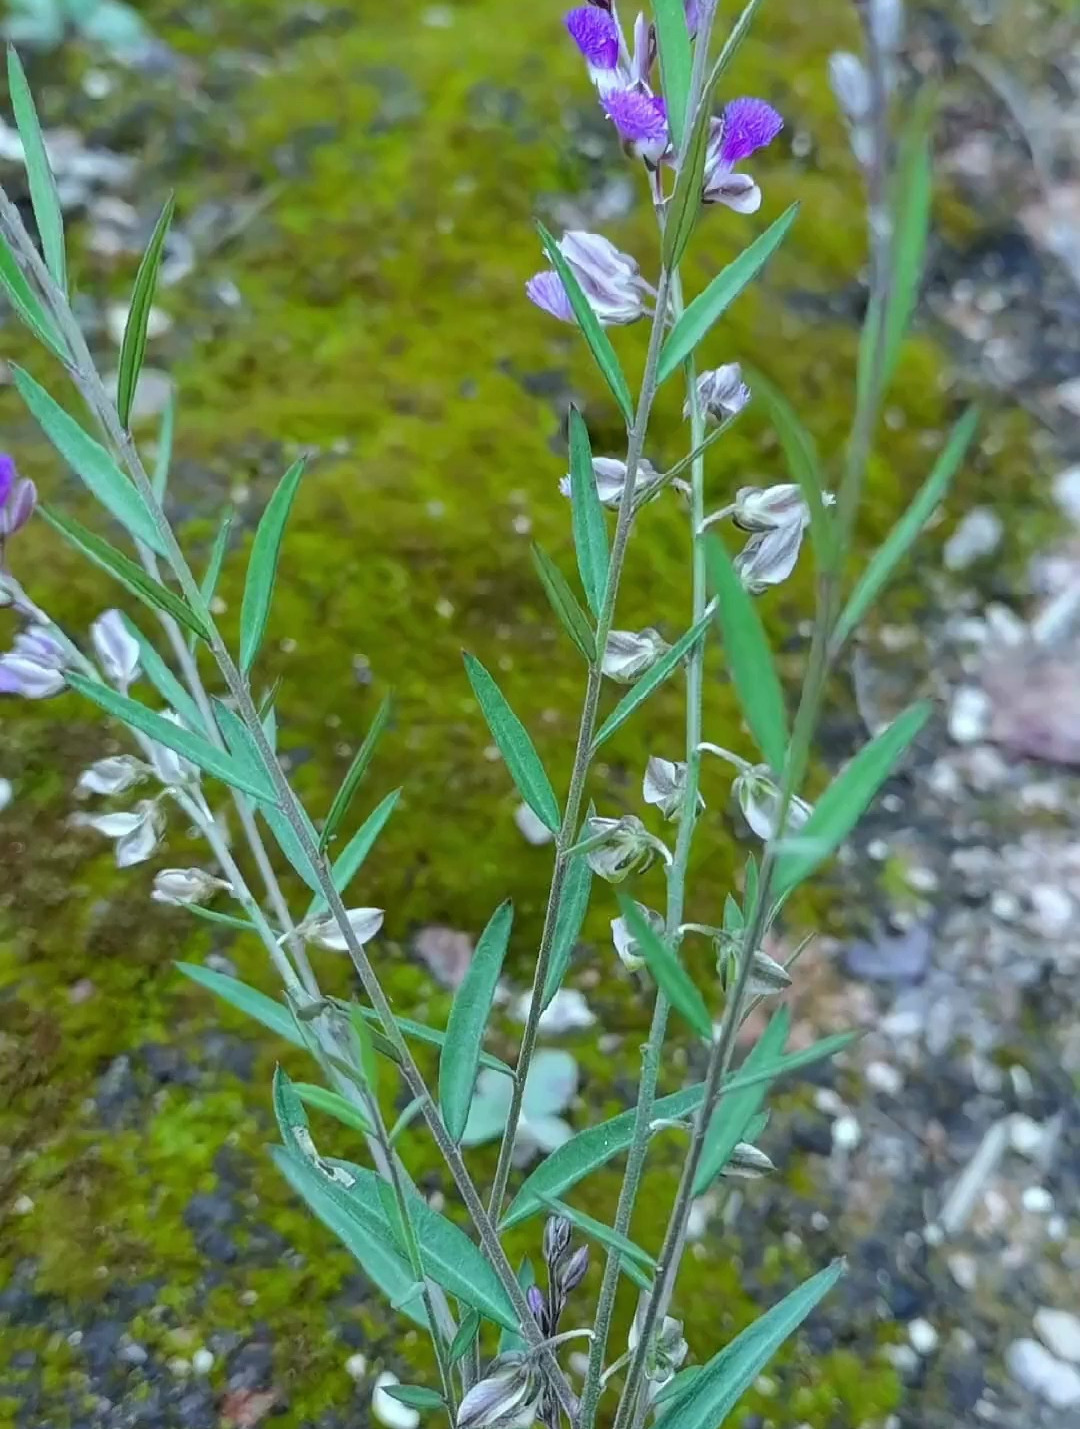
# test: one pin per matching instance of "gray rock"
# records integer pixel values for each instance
(1060, 1332)
(1036, 1369)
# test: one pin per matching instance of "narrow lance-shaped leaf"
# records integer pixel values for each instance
(465, 1337)
(710, 305)
(911, 206)
(728, 1375)
(900, 539)
(262, 567)
(421, 1032)
(597, 339)
(133, 347)
(351, 859)
(676, 62)
(735, 1110)
(356, 771)
(515, 746)
(587, 515)
(564, 603)
(749, 658)
(573, 905)
(651, 680)
(25, 302)
(671, 977)
(335, 1105)
(192, 746)
(842, 805)
(803, 462)
(468, 1020)
(209, 582)
(416, 1396)
(597, 1230)
(123, 569)
(39, 174)
(684, 206)
(248, 1000)
(90, 462)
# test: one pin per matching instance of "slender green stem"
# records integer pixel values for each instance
(583, 751)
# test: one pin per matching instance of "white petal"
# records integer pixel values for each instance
(325, 932)
(111, 775)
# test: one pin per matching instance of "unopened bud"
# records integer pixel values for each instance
(557, 1233)
(570, 1275)
(186, 886)
(628, 654)
(748, 1162)
(116, 648)
(624, 846)
(721, 392)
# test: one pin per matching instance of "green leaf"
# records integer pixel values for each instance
(564, 603)
(227, 920)
(587, 1151)
(192, 746)
(749, 658)
(468, 1020)
(415, 1396)
(598, 1231)
(911, 206)
(710, 305)
(357, 769)
(209, 582)
(247, 1000)
(133, 347)
(351, 858)
(22, 298)
(262, 566)
(515, 746)
(587, 515)
(43, 194)
(736, 35)
(676, 63)
(903, 535)
(597, 339)
(734, 1111)
(366, 1238)
(128, 572)
(448, 1255)
(573, 905)
(154, 669)
(722, 1382)
(803, 461)
(684, 206)
(91, 463)
(652, 678)
(465, 1338)
(421, 1032)
(163, 456)
(671, 977)
(335, 1105)
(841, 806)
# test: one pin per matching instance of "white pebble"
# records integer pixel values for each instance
(1004, 905)
(356, 1366)
(1037, 1200)
(846, 1133)
(977, 535)
(1066, 487)
(1059, 1332)
(22, 1205)
(885, 1078)
(202, 1361)
(392, 1412)
(970, 714)
(1025, 1135)
(1034, 1367)
(923, 1337)
(1053, 909)
(964, 1269)
(7, 793)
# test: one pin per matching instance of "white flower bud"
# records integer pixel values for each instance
(136, 832)
(186, 885)
(626, 945)
(111, 775)
(623, 846)
(628, 654)
(664, 783)
(324, 932)
(767, 508)
(767, 976)
(769, 557)
(759, 799)
(748, 1163)
(116, 648)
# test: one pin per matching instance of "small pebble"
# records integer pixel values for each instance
(1053, 909)
(1066, 488)
(133, 1354)
(22, 1205)
(885, 1078)
(1034, 1367)
(1005, 905)
(923, 1337)
(7, 793)
(179, 1366)
(1037, 1200)
(356, 1366)
(202, 1361)
(969, 716)
(392, 1412)
(1060, 1332)
(846, 1133)
(977, 535)
(964, 1269)
(1025, 1135)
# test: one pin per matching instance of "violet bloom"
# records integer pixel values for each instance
(745, 126)
(34, 668)
(18, 497)
(609, 279)
(596, 34)
(641, 119)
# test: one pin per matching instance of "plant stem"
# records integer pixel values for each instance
(583, 751)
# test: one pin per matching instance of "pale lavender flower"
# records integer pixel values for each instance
(641, 119)
(184, 886)
(324, 932)
(629, 653)
(18, 497)
(116, 648)
(721, 392)
(769, 557)
(596, 34)
(506, 1397)
(609, 279)
(111, 775)
(765, 508)
(135, 832)
(610, 475)
(33, 668)
(745, 126)
(664, 785)
(759, 798)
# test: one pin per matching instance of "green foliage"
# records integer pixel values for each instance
(468, 1020)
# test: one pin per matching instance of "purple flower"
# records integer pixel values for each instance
(609, 279)
(746, 126)
(18, 498)
(597, 37)
(34, 668)
(641, 120)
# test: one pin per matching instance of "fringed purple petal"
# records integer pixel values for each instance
(639, 118)
(596, 35)
(749, 124)
(547, 292)
(8, 476)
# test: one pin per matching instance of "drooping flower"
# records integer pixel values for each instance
(766, 508)
(135, 833)
(629, 653)
(116, 648)
(609, 279)
(184, 886)
(621, 847)
(171, 768)
(596, 34)
(721, 392)
(610, 474)
(506, 1397)
(34, 667)
(642, 122)
(748, 1162)
(18, 497)
(325, 932)
(769, 557)
(111, 775)
(666, 1352)
(745, 126)
(626, 945)
(759, 799)
(664, 784)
